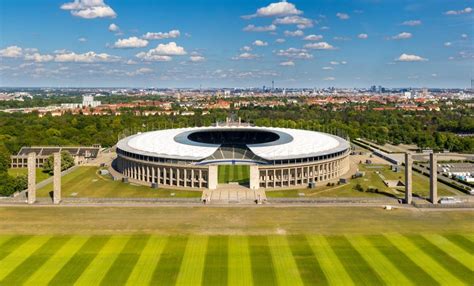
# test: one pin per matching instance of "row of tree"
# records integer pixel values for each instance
(436, 130)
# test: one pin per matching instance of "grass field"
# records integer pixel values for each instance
(421, 186)
(389, 259)
(244, 246)
(40, 176)
(234, 173)
(86, 182)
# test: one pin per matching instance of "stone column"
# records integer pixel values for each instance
(408, 179)
(57, 179)
(433, 179)
(31, 178)
(211, 177)
(254, 177)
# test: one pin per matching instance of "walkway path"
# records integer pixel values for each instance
(233, 194)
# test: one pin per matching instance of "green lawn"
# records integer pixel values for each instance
(244, 246)
(395, 259)
(40, 176)
(373, 180)
(86, 182)
(234, 173)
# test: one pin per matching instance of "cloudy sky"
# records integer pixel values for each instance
(230, 43)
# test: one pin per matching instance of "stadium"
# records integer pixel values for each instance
(191, 157)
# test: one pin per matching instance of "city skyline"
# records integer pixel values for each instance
(87, 43)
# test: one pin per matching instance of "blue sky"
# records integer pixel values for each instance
(302, 43)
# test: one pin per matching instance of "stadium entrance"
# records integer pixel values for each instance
(234, 174)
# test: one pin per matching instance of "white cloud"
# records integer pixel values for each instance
(129, 43)
(11, 52)
(89, 9)
(434, 75)
(277, 9)
(464, 36)
(287, 64)
(324, 28)
(362, 36)
(327, 68)
(330, 78)
(197, 58)
(82, 40)
(89, 57)
(260, 43)
(410, 58)
(246, 48)
(140, 71)
(253, 28)
(319, 46)
(342, 16)
(448, 44)
(343, 62)
(297, 33)
(160, 35)
(334, 63)
(466, 10)
(301, 22)
(402, 36)
(114, 28)
(245, 56)
(37, 57)
(313, 37)
(280, 40)
(162, 52)
(294, 53)
(412, 23)
(338, 38)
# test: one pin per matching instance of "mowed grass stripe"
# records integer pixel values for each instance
(462, 242)
(71, 271)
(215, 270)
(263, 272)
(167, 268)
(359, 270)
(412, 271)
(331, 266)
(423, 260)
(285, 266)
(24, 270)
(3, 240)
(453, 250)
(308, 266)
(143, 270)
(239, 264)
(12, 243)
(20, 254)
(123, 265)
(98, 267)
(192, 266)
(385, 268)
(456, 268)
(53, 265)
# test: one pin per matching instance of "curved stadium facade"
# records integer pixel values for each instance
(189, 157)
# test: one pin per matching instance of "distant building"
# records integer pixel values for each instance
(88, 101)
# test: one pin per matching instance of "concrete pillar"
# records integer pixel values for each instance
(57, 179)
(192, 178)
(153, 176)
(200, 178)
(31, 178)
(211, 177)
(254, 177)
(433, 178)
(408, 179)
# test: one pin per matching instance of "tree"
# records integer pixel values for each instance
(4, 159)
(67, 161)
